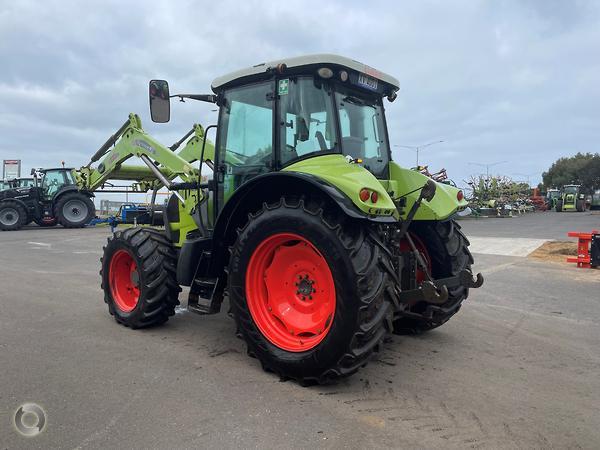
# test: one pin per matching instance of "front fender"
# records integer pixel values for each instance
(443, 205)
(70, 188)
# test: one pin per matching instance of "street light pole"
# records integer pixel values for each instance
(418, 147)
(526, 175)
(487, 167)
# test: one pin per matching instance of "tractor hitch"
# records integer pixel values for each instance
(428, 292)
(464, 278)
(435, 292)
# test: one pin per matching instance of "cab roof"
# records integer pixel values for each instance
(303, 64)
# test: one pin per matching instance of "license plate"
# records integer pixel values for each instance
(367, 81)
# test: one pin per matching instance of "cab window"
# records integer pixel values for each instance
(306, 118)
(363, 130)
(53, 181)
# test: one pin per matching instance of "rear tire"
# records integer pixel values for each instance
(449, 254)
(12, 216)
(580, 205)
(139, 277)
(74, 210)
(360, 285)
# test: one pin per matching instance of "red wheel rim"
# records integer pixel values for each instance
(124, 280)
(290, 292)
(405, 248)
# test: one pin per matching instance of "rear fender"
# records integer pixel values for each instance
(16, 200)
(269, 188)
(443, 205)
(70, 188)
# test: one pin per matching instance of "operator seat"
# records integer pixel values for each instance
(352, 146)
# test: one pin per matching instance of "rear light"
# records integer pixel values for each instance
(460, 195)
(374, 197)
(364, 194)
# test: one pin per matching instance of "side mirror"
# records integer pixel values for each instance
(160, 104)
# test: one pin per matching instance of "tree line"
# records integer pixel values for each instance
(582, 168)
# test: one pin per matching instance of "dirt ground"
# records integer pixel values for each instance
(555, 251)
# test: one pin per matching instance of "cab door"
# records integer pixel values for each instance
(245, 139)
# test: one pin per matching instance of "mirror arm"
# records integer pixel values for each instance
(209, 98)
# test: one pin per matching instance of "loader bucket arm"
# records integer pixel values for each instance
(132, 141)
(193, 148)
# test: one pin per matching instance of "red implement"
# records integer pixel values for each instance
(583, 248)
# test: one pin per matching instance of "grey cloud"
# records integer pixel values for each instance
(495, 80)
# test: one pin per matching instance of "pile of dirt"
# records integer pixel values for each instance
(556, 251)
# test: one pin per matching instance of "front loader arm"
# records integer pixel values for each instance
(192, 151)
(131, 140)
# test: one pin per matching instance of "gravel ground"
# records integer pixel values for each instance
(516, 368)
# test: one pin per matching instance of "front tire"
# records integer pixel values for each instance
(287, 253)
(559, 206)
(12, 216)
(74, 210)
(448, 253)
(139, 277)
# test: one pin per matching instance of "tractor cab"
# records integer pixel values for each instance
(275, 115)
(22, 183)
(53, 181)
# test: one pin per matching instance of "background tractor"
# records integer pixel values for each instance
(17, 182)
(320, 241)
(53, 198)
(571, 199)
(552, 195)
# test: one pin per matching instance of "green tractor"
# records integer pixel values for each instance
(51, 198)
(552, 195)
(320, 241)
(571, 199)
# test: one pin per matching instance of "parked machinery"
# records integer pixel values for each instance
(571, 199)
(321, 242)
(53, 199)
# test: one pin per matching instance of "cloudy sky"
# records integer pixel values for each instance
(514, 81)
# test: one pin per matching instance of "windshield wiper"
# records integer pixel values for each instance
(357, 101)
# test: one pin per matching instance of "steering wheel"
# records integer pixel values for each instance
(321, 140)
